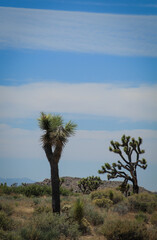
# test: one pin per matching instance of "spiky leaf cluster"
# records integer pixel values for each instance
(89, 184)
(56, 133)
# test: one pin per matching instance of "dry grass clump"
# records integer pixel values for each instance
(153, 219)
(115, 227)
(106, 198)
(145, 202)
(49, 226)
(93, 215)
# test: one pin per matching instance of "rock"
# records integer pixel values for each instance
(71, 183)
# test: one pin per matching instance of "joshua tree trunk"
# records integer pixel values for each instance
(55, 188)
(54, 179)
(135, 183)
(135, 187)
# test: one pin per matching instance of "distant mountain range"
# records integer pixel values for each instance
(19, 181)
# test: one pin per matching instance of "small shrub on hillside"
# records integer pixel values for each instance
(84, 226)
(144, 202)
(152, 233)
(8, 209)
(141, 217)
(153, 218)
(42, 209)
(48, 227)
(78, 210)
(36, 201)
(116, 228)
(36, 190)
(28, 190)
(121, 208)
(65, 191)
(103, 202)
(5, 222)
(9, 235)
(4, 189)
(92, 215)
(112, 194)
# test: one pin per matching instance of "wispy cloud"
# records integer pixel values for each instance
(115, 4)
(78, 31)
(137, 104)
(93, 145)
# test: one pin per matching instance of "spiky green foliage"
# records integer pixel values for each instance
(89, 184)
(56, 132)
(126, 168)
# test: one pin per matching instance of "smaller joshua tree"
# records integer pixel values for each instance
(89, 184)
(126, 168)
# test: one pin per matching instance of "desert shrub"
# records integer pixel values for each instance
(112, 194)
(84, 226)
(144, 202)
(8, 209)
(36, 201)
(9, 235)
(4, 189)
(36, 190)
(28, 190)
(141, 217)
(65, 191)
(121, 208)
(78, 214)
(103, 202)
(78, 210)
(48, 227)
(5, 222)
(116, 228)
(92, 215)
(152, 233)
(42, 209)
(153, 218)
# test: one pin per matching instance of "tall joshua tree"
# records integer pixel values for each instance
(55, 136)
(127, 167)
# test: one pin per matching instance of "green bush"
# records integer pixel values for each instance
(84, 226)
(9, 235)
(28, 190)
(145, 202)
(65, 191)
(36, 201)
(152, 233)
(103, 202)
(8, 209)
(141, 217)
(112, 194)
(153, 218)
(92, 215)
(5, 222)
(78, 210)
(121, 208)
(48, 227)
(42, 208)
(116, 228)
(36, 190)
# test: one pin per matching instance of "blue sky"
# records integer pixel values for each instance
(94, 62)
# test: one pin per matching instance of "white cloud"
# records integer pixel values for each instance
(137, 104)
(78, 31)
(86, 146)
